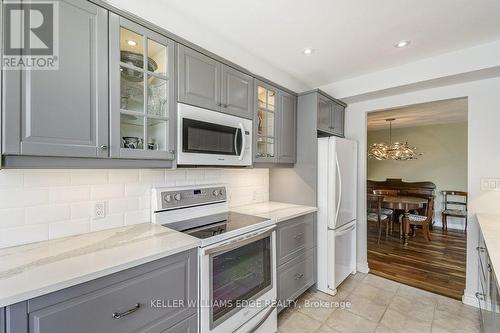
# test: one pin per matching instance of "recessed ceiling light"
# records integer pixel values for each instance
(308, 51)
(402, 43)
(131, 43)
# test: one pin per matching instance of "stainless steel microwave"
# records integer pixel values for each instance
(206, 137)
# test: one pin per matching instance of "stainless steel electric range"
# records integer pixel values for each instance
(237, 258)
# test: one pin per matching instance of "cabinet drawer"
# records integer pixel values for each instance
(296, 276)
(294, 236)
(189, 325)
(142, 303)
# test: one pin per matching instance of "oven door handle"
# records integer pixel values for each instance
(263, 320)
(240, 241)
(243, 141)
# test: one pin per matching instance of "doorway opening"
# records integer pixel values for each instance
(417, 195)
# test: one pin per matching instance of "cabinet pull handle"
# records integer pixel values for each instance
(298, 237)
(219, 104)
(103, 147)
(489, 267)
(118, 315)
(480, 248)
(480, 296)
(299, 276)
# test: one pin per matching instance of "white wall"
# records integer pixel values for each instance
(483, 155)
(443, 161)
(37, 205)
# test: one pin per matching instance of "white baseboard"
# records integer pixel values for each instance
(362, 267)
(470, 299)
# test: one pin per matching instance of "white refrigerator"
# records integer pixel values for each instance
(337, 182)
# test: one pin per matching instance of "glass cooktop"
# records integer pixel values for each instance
(213, 225)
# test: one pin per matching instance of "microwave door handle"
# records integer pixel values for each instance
(243, 142)
(236, 141)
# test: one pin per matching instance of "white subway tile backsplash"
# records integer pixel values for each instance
(123, 205)
(23, 234)
(136, 190)
(100, 192)
(68, 228)
(23, 197)
(45, 178)
(11, 178)
(81, 209)
(44, 204)
(110, 221)
(46, 214)
(89, 177)
(152, 176)
(11, 217)
(138, 216)
(69, 194)
(123, 176)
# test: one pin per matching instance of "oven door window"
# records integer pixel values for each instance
(207, 138)
(238, 275)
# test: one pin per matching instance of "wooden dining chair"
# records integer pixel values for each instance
(422, 220)
(457, 209)
(387, 211)
(375, 213)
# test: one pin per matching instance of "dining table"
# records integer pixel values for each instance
(406, 204)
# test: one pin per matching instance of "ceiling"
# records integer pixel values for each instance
(434, 113)
(350, 38)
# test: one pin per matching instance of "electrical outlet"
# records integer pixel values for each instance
(100, 209)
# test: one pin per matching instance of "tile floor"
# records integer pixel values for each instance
(367, 303)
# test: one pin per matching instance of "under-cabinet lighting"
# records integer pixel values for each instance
(131, 43)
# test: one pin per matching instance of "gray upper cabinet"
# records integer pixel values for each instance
(330, 115)
(142, 103)
(237, 93)
(207, 83)
(338, 115)
(324, 113)
(63, 112)
(198, 79)
(275, 125)
(287, 132)
(265, 128)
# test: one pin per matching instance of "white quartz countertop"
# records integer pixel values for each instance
(277, 211)
(490, 228)
(32, 270)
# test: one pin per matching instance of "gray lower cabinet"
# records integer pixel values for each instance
(2, 320)
(287, 130)
(189, 325)
(63, 112)
(154, 297)
(296, 256)
(488, 294)
(237, 93)
(207, 83)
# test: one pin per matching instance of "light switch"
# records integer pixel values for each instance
(490, 184)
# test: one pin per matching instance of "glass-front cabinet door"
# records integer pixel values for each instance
(141, 92)
(265, 123)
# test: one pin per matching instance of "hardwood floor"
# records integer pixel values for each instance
(438, 267)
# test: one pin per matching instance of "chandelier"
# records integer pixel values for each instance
(393, 151)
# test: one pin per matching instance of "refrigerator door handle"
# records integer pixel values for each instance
(343, 232)
(340, 189)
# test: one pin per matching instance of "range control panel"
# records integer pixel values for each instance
(192, 197)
